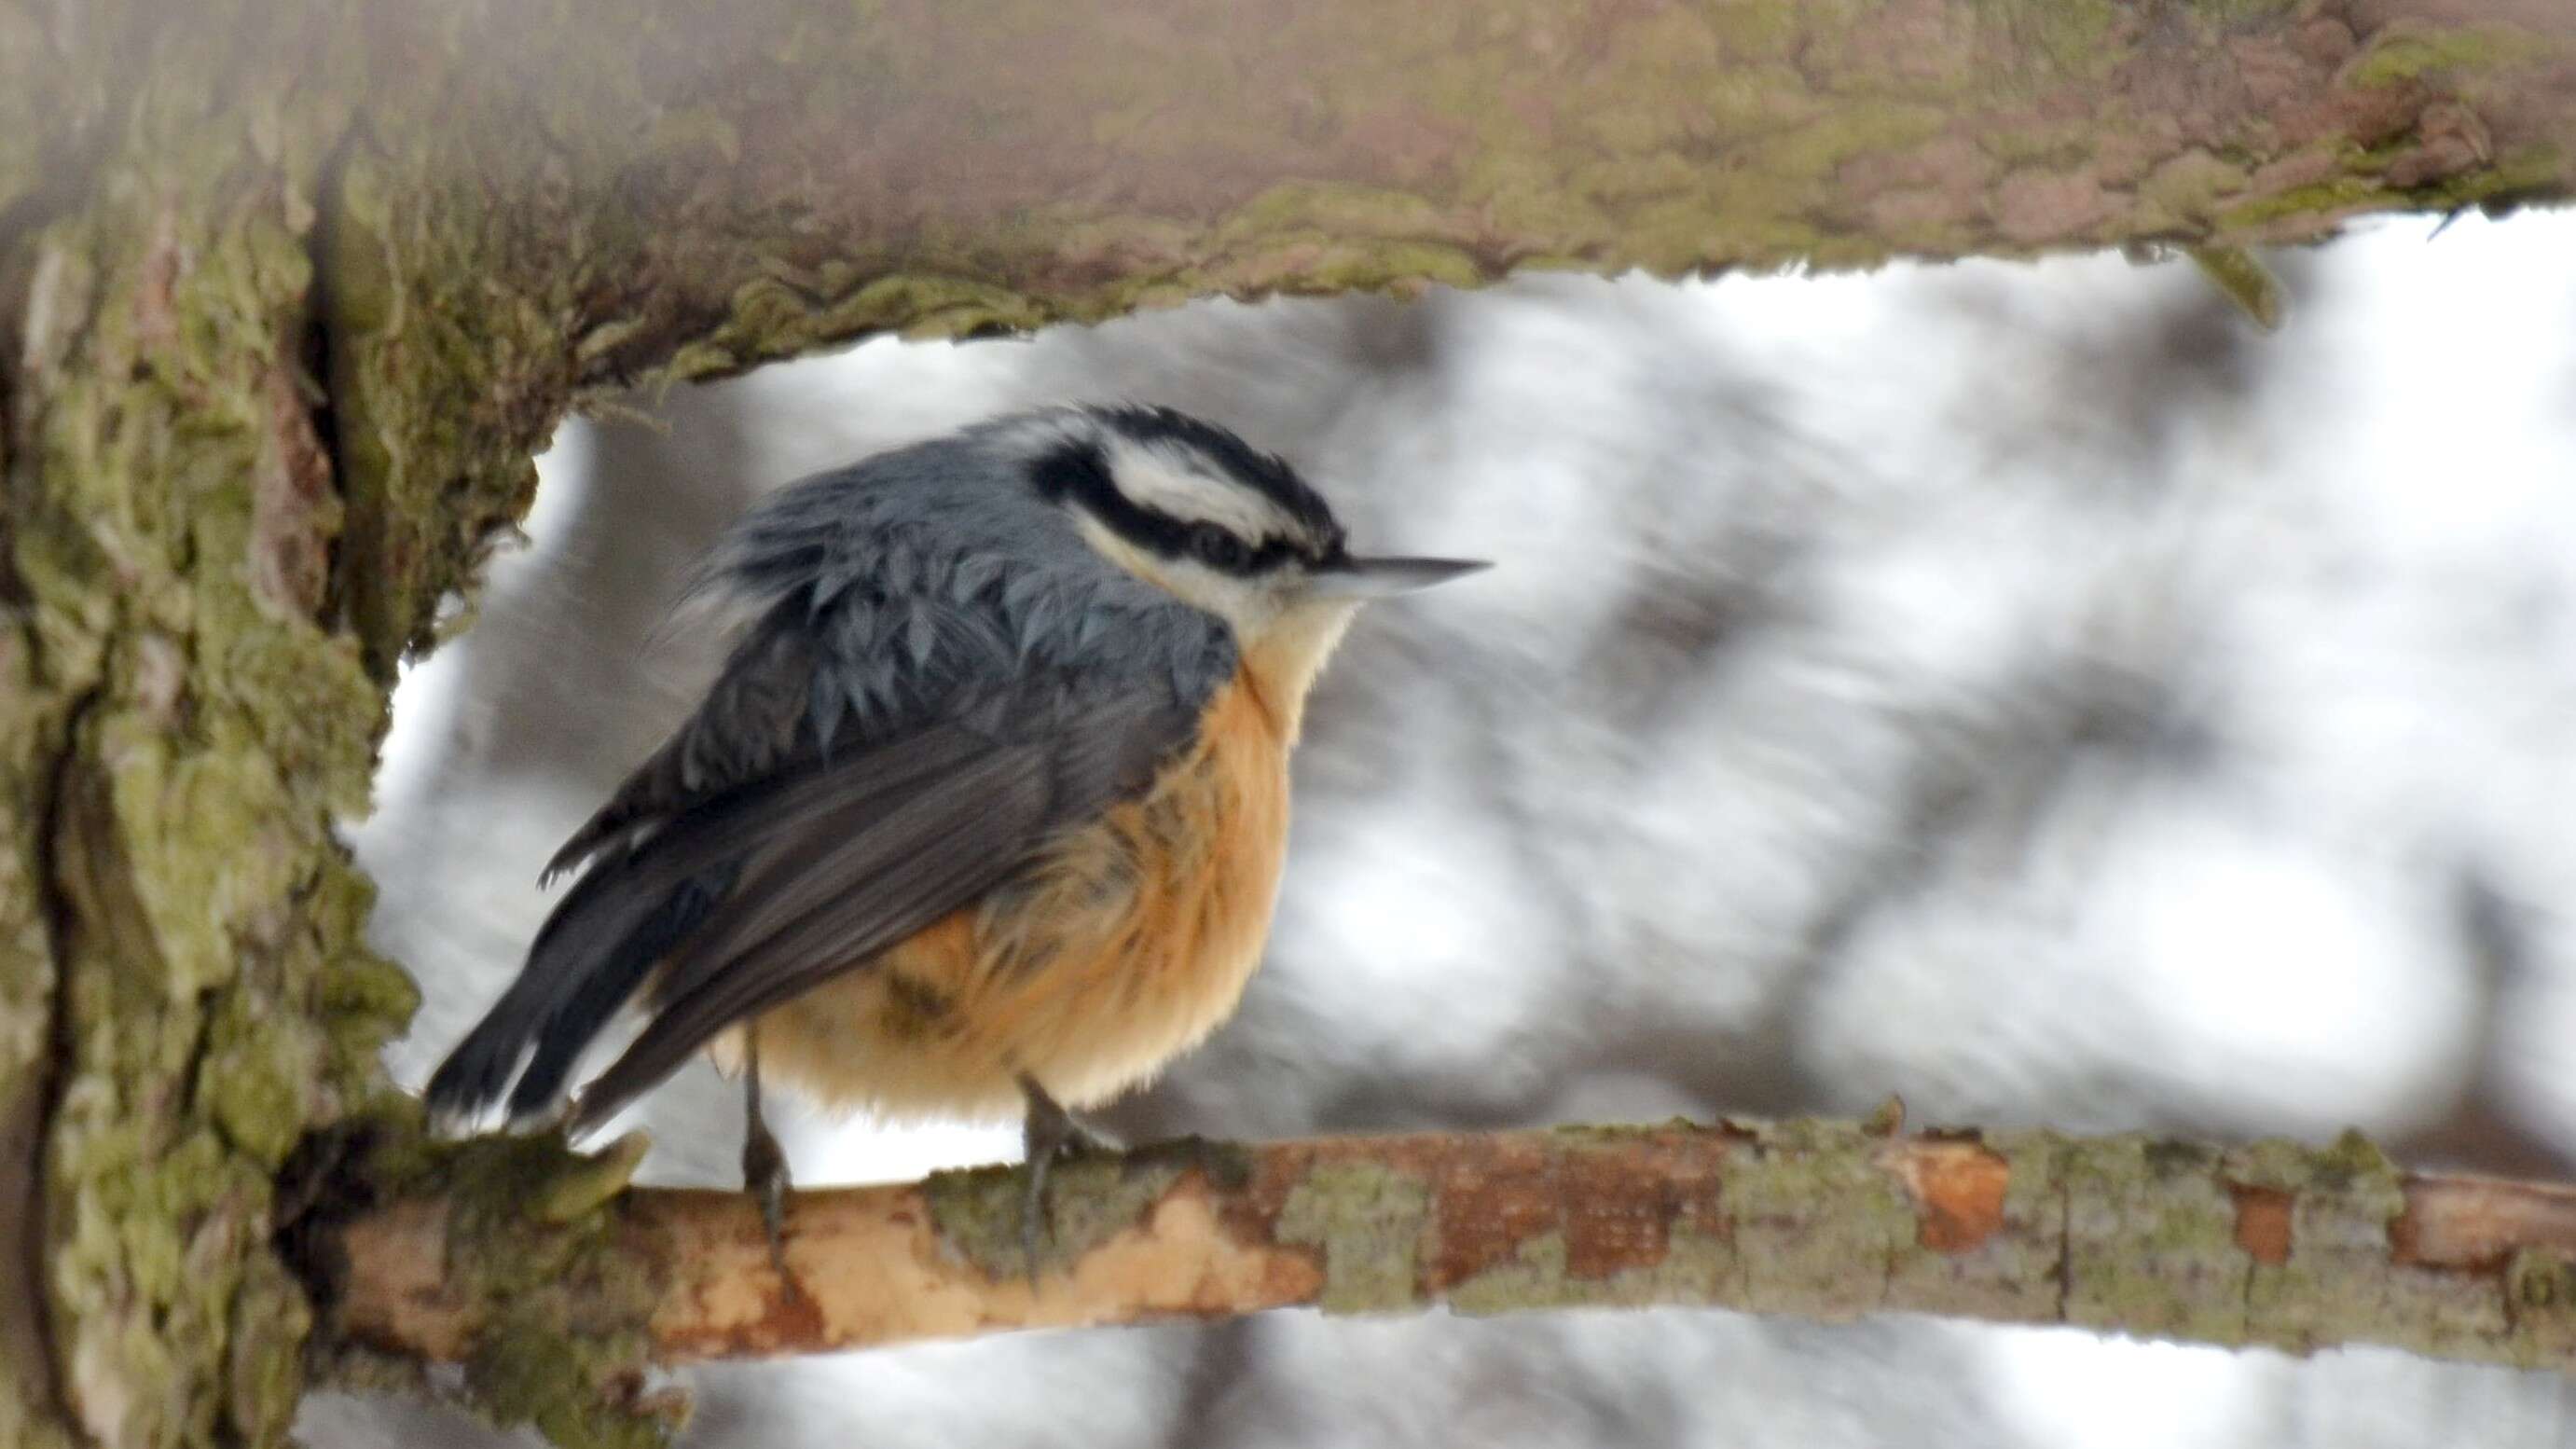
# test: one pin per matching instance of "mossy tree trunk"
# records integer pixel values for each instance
(180, 720)
(289, 292)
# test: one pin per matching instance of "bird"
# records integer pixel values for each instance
(986, 809)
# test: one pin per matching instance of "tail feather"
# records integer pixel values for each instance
(479, 1069)
(568, 991)
(604, 989)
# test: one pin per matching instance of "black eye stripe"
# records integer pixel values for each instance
(1266, 473)
(1080, 471)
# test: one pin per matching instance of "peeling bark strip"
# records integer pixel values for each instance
(2298, 1248)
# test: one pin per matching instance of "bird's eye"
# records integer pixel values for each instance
(1217, 548)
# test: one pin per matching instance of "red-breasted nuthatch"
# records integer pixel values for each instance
(987, 808)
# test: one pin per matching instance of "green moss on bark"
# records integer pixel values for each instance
(180, 729)
(532, 1241)
(1371, 1224)
(980, 1214)
(1807, 1199)
(2401, 54)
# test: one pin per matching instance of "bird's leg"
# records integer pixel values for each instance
(764, 1164)
(1047, 1134)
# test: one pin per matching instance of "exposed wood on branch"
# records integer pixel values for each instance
(2272, 1243)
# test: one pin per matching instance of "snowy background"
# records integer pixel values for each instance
(2028, 689)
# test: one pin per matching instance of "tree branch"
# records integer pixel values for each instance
(2273, 1243)
(682, 192)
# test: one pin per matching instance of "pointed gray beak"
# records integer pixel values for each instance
(1378, 578)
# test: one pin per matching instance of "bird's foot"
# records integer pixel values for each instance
(764, 1166)
(764, 1176)
(1048, 1135)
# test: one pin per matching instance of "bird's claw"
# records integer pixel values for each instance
(1048, 1135)
(764, 1176)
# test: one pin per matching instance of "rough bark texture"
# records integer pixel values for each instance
(184, 992)
(563, 207)
(2271, 1243)
(290, 291)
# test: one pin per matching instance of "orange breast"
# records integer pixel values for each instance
(1125, 945)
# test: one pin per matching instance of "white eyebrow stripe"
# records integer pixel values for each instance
(1178, 482)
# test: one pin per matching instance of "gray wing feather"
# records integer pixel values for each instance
(818, 903)
(601, 941)
(915, 872)
(614, 894)
(870, 622)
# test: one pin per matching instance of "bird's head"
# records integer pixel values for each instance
(1196, 511)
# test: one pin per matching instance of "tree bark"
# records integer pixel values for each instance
(548, 208)
(291, 290)
(184, 990)
(2270, 1243)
